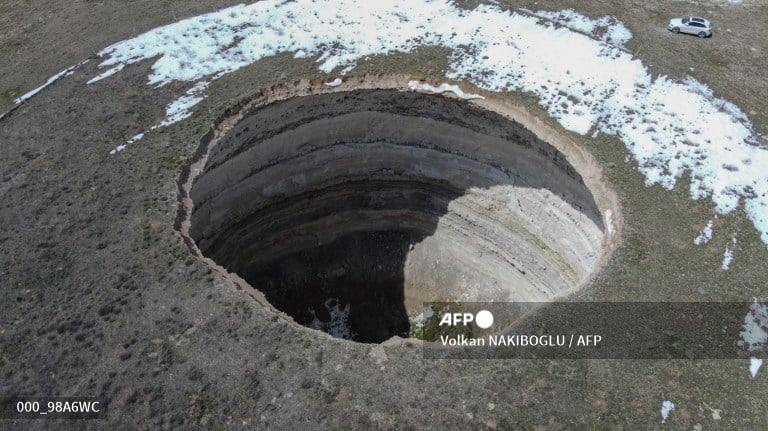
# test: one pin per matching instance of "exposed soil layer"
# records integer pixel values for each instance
(349, 209)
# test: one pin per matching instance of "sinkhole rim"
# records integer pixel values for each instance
(578, 156)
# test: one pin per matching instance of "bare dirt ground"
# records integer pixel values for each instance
(100, 296)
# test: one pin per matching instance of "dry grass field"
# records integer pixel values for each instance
(100, 296)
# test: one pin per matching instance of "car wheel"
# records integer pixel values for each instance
(675, 30)
(702, 34)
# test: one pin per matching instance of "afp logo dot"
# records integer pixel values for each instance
(484, 319)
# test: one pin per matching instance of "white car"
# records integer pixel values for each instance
(691, 25)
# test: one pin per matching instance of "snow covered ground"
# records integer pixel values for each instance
(754, 333)
(590, 84)
(66, 72)
(705, 235)
(666, 408)
(442, 88)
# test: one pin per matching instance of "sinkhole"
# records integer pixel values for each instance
(349, 207)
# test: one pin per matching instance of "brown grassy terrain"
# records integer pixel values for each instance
(43, 37)
(100, 297)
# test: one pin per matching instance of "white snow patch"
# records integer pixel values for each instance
(66, 72)
(613, 31)
(671, 127)
(609, 222)
(335, 83)
(176, 111)
(728, 256)
(666, 409)
(121, 147)
(754, 333)
(416, 85)
(106, 74)
(705, 235)
(179, 109)
(137, 137)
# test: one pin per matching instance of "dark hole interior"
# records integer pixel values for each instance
(362, 270)
(352, 285)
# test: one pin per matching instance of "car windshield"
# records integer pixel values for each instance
(685, 20)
